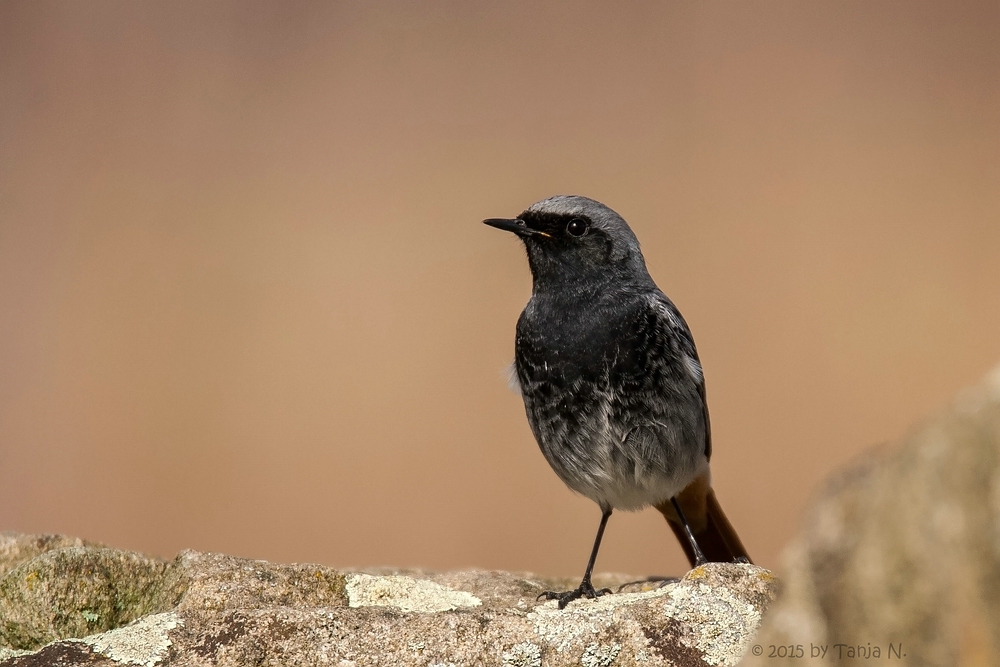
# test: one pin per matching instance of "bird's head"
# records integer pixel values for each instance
(573, 239)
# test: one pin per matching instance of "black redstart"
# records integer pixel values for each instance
(611, 380)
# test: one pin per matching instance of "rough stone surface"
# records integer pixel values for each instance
(16, 548)
(899, 560)
(211, 609)
(77, 591)
(216, 583)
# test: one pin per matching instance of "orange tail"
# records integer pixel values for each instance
(712, 530)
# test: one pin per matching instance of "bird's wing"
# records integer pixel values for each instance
(675, 340)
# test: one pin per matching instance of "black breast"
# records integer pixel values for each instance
(626, 355)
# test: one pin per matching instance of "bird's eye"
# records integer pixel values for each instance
(576, 227)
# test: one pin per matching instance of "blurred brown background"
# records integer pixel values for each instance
(247, 305)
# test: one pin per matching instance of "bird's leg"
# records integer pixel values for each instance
(699, 557)
(586, 589)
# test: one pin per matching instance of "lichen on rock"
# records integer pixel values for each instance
(406, 593)
(77, 591)
(143, 642)
(76, 604)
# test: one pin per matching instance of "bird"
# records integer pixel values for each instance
(611, 381)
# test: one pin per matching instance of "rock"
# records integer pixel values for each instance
(16, 548)
(900, 555)
(77, 591)
(202, 609)
(217, 583)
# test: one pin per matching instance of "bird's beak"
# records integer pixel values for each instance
(515, 225)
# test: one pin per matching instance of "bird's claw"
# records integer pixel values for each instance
(585, 590)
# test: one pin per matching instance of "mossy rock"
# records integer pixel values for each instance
(78, 591)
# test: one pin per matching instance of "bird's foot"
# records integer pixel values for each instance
(585, 590)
